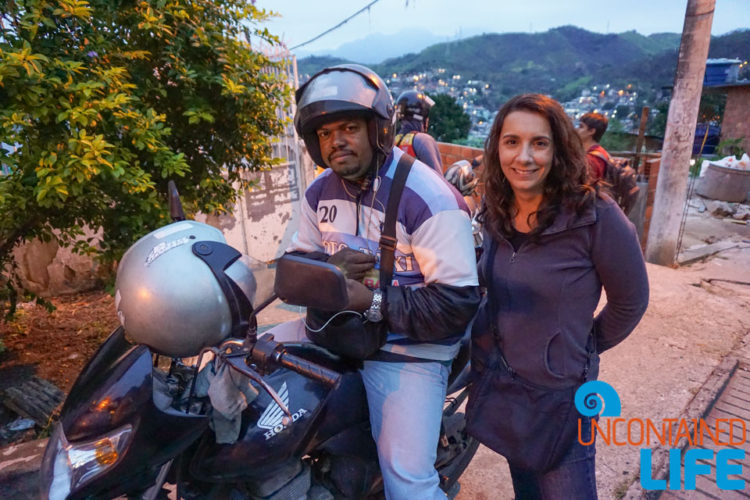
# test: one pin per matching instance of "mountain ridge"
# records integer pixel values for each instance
(559, 62)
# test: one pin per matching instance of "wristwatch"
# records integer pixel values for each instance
(374, 313)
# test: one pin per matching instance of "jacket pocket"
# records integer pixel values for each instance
(555, 354)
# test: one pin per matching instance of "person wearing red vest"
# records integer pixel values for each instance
(413, 109)
(591, 128)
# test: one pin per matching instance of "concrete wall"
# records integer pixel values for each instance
(261, 226)
(264, 219)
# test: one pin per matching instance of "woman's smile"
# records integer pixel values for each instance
(526, 151)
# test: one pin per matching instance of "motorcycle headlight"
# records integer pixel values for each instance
(67, 467)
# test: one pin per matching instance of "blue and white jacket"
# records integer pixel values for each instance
(434, 293)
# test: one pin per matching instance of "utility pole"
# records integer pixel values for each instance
(671, 187)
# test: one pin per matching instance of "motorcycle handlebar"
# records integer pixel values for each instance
(309, 369)
(267, 350)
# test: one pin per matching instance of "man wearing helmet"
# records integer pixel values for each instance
(413, 109)
(345, 115)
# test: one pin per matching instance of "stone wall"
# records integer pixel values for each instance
(47, 269)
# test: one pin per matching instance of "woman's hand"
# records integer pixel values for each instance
(354, 264)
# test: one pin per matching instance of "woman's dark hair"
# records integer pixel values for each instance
(565, 185)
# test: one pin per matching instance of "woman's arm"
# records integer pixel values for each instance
(617, 257)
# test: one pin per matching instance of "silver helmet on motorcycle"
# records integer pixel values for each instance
(462, 176)
(181, 288)
(342, 90)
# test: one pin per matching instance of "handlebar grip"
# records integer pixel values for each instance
(309, 369)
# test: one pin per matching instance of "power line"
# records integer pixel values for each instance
(339, 24)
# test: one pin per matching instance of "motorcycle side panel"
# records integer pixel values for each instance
(267, 439)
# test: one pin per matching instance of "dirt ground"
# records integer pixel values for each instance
(55, 346)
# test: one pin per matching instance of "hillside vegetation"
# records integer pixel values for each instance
(560, 62)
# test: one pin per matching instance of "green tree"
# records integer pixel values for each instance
(657, 125)
(103, 101)
(448, 121)
(616, 137)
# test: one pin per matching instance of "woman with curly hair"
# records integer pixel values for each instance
(552, 242)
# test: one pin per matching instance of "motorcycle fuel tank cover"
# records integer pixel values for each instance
(267, 437)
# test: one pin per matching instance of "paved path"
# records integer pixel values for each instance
(732, 407)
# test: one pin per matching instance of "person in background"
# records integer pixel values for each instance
(413, 111)
(553, 242)
(591, 128)
(345, 115)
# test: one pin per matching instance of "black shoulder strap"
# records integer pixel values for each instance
(498, 354)
(388, 235)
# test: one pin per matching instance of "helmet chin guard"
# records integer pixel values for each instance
(218, 257)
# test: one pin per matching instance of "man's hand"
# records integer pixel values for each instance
(354, 264)
(360, 297)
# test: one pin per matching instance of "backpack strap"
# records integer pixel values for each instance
(600, 153)
(408, 137)
(388, 235)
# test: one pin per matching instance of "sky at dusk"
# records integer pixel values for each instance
(302, 20)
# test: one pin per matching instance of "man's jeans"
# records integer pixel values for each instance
(574, 477)
(406, 406)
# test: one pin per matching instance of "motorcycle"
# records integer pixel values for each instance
(136, 422)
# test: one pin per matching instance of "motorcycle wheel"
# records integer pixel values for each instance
(450, 473)
(451, 470)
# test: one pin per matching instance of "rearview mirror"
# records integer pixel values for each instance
(311, 283)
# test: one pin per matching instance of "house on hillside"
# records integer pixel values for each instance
(722, 76)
